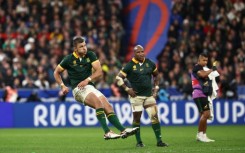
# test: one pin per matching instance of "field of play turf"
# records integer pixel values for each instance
(229, 139)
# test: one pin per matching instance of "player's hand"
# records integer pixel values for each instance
(83, 83)
(214, 66)
(154, 95)
(64, 89)
(131, 92)
(155, 91)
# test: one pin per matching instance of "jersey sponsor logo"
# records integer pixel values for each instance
(195, 82)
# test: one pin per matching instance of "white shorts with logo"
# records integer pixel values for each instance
(81, 94)
(138, 102)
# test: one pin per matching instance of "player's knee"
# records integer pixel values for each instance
(206, 114)
(108, 108)
(137, 116)
(152, 113)
(136, 124)
(136, 119)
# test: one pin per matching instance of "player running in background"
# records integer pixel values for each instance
(199, 75)
(139, 72)
(79, 65)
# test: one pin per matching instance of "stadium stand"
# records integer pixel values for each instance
(217, 27)
(35, 35)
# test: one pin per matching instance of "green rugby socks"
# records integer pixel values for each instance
(113, 119)
(157, 130)
(137, 134)
(100, 114)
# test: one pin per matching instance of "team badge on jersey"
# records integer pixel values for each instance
(74, 63)
(88, 60)
(147, 65)
(134, 67)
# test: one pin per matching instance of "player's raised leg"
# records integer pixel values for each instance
(113, 119)
(93, 101)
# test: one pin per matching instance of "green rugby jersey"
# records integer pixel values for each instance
(140, 76)
(78, 69)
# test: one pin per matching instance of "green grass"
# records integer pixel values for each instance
(229, 139)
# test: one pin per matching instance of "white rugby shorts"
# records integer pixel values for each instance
(138, 102)
(81, 94)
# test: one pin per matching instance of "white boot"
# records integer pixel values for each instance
(200, 137)
(207, 139)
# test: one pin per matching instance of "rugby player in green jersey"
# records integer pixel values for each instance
(139, 72)
(79, 66)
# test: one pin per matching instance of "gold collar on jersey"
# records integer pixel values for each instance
(74, 54)
(136, 61)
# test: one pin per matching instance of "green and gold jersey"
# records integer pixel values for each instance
(78, 69)
(140, 76)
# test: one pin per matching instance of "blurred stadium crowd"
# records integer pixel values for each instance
(36, 34)
(213, 26)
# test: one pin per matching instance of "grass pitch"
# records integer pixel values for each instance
(229, 139)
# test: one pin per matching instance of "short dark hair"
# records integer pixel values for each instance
(204, 54)
(78, 39)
